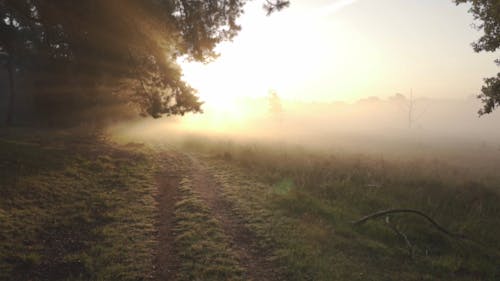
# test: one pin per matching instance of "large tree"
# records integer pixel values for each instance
(81, 54)
(487, 14)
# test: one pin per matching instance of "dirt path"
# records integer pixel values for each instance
(168, 181)
(243, 242)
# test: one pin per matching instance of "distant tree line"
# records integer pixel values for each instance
(80, 57)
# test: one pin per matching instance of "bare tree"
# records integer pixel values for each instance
(275, 106)
(410, 106)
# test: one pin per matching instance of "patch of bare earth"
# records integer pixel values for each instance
(166, 262)
(244, 244)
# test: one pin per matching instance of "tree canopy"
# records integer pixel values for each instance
(487, 14)
(75, 55)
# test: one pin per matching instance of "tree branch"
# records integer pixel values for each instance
(422, 214)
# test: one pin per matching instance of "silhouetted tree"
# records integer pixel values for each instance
(275, 106)
(277, 5)
(274, 102)
(79, 55)
(487, 12)
(15, 44)
(409, 104)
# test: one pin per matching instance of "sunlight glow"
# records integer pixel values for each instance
(338, 51)
(336, 6)
(314, 59)
(267, 55)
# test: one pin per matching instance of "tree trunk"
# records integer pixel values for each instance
(10, 106)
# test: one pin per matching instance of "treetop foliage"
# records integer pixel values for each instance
(83, 54)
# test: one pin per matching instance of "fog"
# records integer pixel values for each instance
(440, 128)
(455, 119)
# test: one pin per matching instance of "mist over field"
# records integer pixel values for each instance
(377, 125)
(268, 140)
(329, 164)
(445, 131)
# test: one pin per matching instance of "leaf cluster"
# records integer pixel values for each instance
(487, 15)
(74, 55)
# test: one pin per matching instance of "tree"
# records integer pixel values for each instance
(410, 105)
(12, 46)
(275, 107)
(80, 55)
(487, 12)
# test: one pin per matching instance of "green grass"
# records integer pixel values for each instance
(301, 205)
(80, 208)
(75, 208)
(202, 247)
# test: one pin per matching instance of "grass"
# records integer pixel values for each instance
(301, 204)
(202, 247)
(81, 208)
(75, 208)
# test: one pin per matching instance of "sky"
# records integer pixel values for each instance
(345, 50)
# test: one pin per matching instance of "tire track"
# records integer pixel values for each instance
(167, 262)
(243, 242)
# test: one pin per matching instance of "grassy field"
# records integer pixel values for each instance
(302, 203)
(75, 208)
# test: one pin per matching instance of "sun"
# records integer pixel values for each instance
(216, 84)
(256, 62)
(306, 60)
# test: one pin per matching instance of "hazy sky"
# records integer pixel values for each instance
(347, 49)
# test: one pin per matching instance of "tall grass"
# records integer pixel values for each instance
(324, 192)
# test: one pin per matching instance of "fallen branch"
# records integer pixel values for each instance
(393, 211)
(402, 235)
